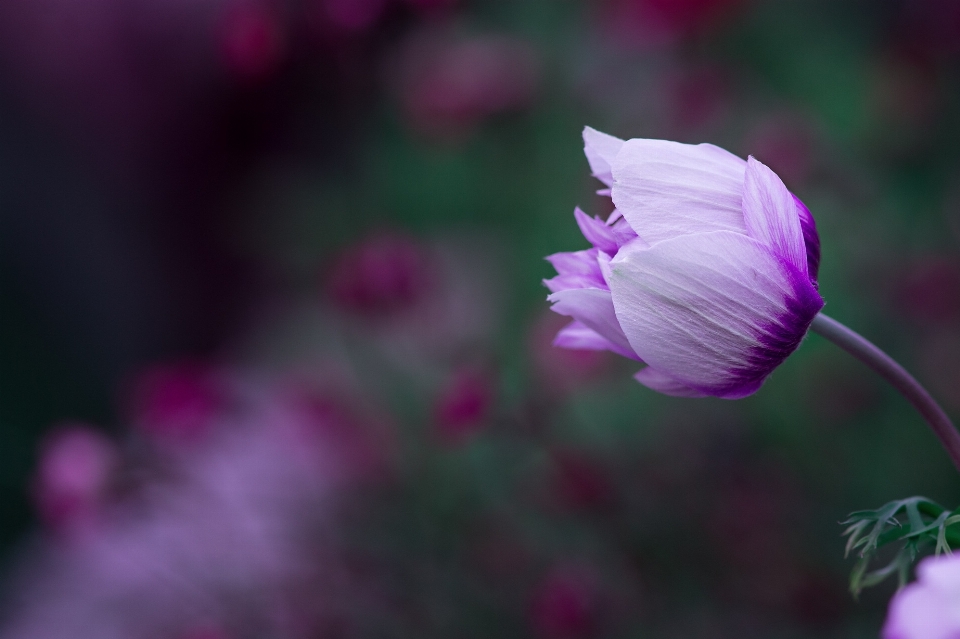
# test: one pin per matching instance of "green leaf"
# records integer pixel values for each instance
(917, 523)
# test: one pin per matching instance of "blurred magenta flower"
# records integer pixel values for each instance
(380, 276)
(706, 271)
(351, 16)
(565, 603)
(251, 40)
(177, 403)
(447, 85)
(930, 607)
(463, 405)
(71, 482)
(663, 22)
(231, 535)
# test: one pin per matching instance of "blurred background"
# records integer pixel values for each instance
(275, 358)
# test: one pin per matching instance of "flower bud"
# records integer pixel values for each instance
(706, 271)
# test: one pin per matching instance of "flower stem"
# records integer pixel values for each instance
(894, 373)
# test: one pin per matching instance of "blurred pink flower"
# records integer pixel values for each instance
(422, 303)
(463, 406)
(929, 608)
(251, 40)
(662, 22)
(447, 85)
(73, 477)
(363, 440)
(350, 16)
(565, 603)
(379, 276)
(177, 403)
(217, 543)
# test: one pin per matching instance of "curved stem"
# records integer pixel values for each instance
(894, 373)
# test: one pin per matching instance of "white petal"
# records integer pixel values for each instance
(655, 380)
(593, 307)
(665, 189)
(771, 215)
(600, 150)
(715, 311)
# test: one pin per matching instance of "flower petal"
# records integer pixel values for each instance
(655, 380)
(593, 308)
(771, 215)
(596, 232)
(811, 238)
(577, 269)
(665, 189)
(578, 336)
(715, 311)
(600, 150)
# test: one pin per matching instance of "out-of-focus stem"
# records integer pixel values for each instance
(890, 370)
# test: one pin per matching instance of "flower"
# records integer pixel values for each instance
(73, 477)
(930, 607)
(706, 271)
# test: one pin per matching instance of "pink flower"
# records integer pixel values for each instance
(663, 22)
(71, 482)
(463, 406)
(706, 271)
(380, 276)
(234, 535)
(177, 403)
(449, 85)
(351, 16)
(929, 608)
(565, 604)
(251, 40)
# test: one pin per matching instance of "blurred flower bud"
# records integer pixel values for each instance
(655, 23)
(565, 604)
(463, 406)
(379, 276)
(251, 40)
(354, 444)
(448, 85)
(351, 16)
(175, 404)
(71, 481)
